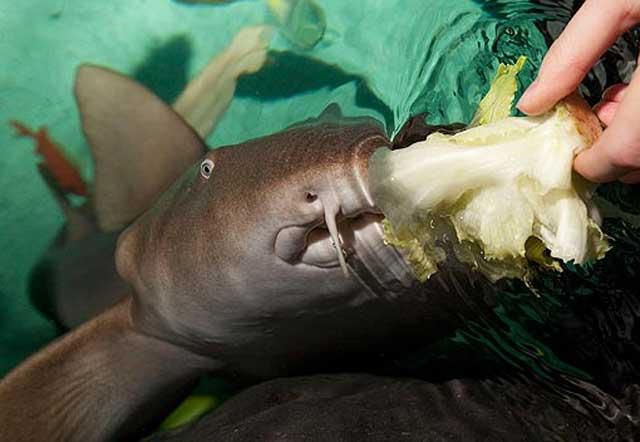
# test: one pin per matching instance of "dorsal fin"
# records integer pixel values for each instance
(331, 113)
(140, 145)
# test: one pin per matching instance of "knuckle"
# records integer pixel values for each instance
(562, 60)
(630, 8)
(627, 10)
(574, 63)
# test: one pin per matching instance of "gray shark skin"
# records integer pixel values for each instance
(234, 270)
(76, 279)
(237, 259)
(362, 407)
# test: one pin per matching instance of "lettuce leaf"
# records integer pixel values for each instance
(497, 196)
(497, 104)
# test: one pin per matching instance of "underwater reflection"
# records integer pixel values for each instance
(165, 68)
(581, 325)
(551, 16)
(206, 2)
(288, 74)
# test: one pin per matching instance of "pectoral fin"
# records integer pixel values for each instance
(102, 381)
(139, 144)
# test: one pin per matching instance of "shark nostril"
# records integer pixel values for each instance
(311, 197)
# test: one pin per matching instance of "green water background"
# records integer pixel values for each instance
(386, 59)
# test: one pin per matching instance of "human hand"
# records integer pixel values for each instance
(594, 28)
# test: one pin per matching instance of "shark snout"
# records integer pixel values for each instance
(335, 201)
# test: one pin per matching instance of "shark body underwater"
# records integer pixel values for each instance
(232, 262)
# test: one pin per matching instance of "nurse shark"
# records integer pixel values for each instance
(263, 259)
(80, 259)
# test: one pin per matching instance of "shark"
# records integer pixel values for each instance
(80, 260)
(251, 261)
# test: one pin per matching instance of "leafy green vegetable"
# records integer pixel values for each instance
(190, 410)
(496, 105)
(497, 195)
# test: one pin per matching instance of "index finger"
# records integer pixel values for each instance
(594, 28)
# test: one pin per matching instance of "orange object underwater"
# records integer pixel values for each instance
(63, 171)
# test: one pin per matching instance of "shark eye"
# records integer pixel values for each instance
(206, 169)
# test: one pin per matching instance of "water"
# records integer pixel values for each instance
(389, 60)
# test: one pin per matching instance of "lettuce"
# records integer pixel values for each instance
(496, 105)
(498, 195)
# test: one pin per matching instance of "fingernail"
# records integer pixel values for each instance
(528, 94)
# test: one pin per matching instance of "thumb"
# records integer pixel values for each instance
(617, 152)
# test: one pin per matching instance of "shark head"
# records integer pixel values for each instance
(269, 228)
(270, 248)
(260, 259)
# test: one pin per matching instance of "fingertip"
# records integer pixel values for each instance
(533, 107)
(532, 101)
(589, 164)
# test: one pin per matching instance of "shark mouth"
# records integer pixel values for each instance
(327, 245)
(322, 243)
(357, 245)
(348, 234)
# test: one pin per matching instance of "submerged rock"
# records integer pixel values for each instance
(352, 407)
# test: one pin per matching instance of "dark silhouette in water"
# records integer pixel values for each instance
(288, 74)
(165, 69)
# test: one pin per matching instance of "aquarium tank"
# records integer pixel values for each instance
(390, 60)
